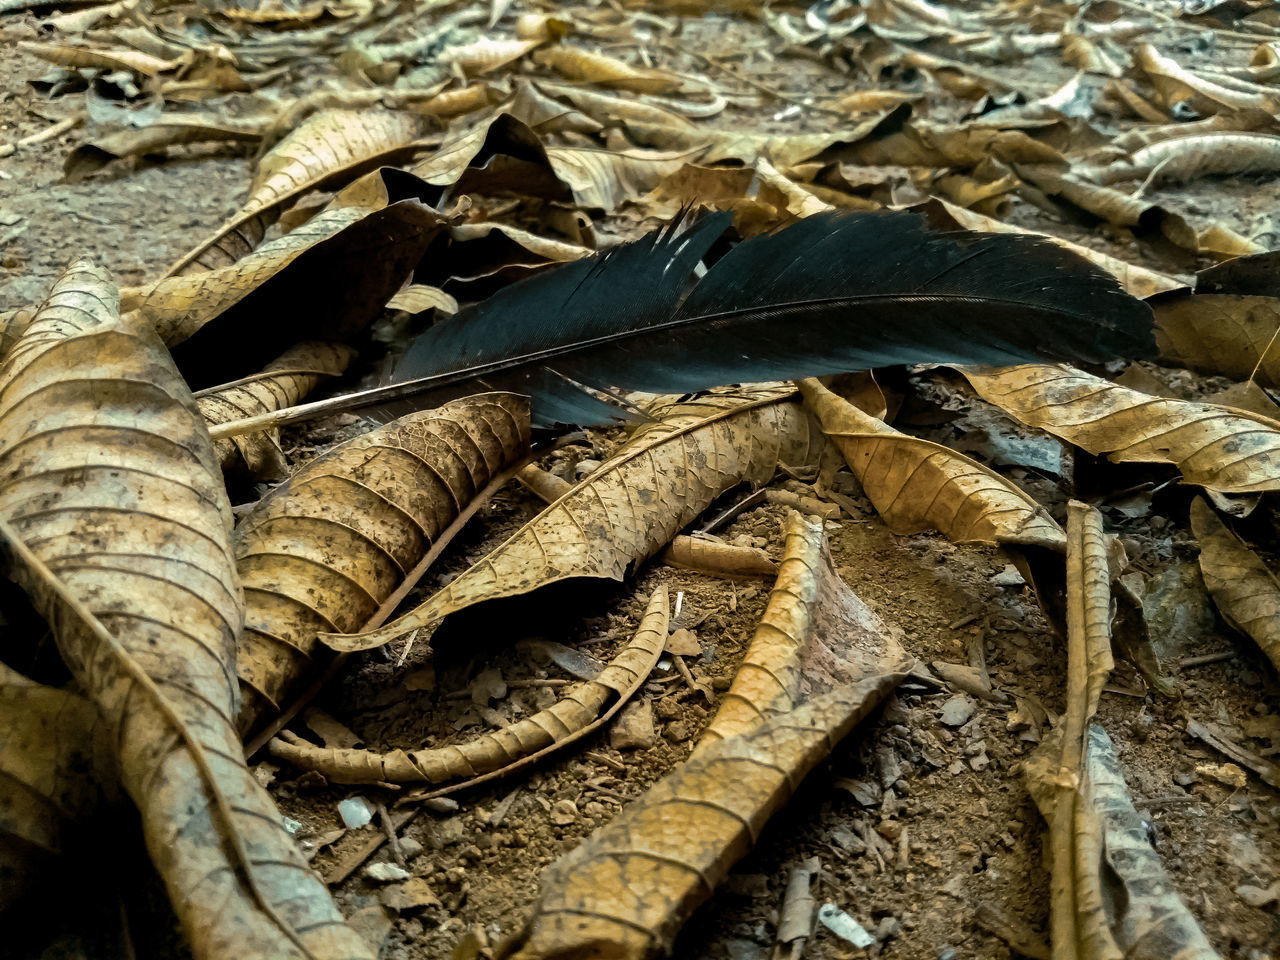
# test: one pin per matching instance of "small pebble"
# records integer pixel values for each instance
(386, 872)
(958, 710)
(355, 812)
(564, 812)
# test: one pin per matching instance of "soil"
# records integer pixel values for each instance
(956, 827)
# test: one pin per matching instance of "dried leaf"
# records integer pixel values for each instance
(122, 519)
(419, 298)
(1243, 587)
(74, 57)
(1174, 83)
(486, 54)
(671, 470)
(1221, 333)
(612, 110)
(328, 146)
(719, 559)
(815, 635)
(1109, 896)
(625, 892)
(1189, 158)
(1230, 451)
(606, 179)
(90, 157)
(330, 276)
(918, 485)
(323, 550)
(551, 729)
(605, 71)
(283, 383)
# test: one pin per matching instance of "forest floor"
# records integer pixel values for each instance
(918, 819)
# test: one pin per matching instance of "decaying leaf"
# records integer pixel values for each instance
(1205, 155)
(76, 57)
(719, 559)
(139, 141)
(327, 547)
(328, 146)
(284, 382)
(1220, 333)
(1109, 896)
(419, 298)
(605, 71)
(114, 508)
(919, 485)
(625, 892)
(1243, 587)
(326, 280)
(605, 178)
(551, 729)
(1220, 448)
(815, 635)
(671, 470)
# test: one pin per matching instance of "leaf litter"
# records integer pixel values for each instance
(510, 140)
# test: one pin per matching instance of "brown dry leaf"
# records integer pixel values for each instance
(556, 727)
(328, 279)
(115, 509)
(1226, 450)
(1139, 281)
(605, 71)
(419, 298)
(1109, 896)
(323, 550)
(605, 179)
(718, 559)
(610, 110)
(815, 635)
(1174, 84)
(1243, 587)
(626, 891)
(919, 485)
(1220, 333)
(282, 383)
(673, 467)
(1188, 158)
(328, 146)
(548, 248)
(486, 54)
(92, 156)
(1131, 141)
(74, 57)
(928, 145)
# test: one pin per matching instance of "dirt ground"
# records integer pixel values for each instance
(916, 821)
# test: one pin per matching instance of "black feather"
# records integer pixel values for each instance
(827, 294)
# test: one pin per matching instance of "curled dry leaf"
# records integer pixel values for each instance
(1220, 448)
(282, 383)
(1243, 587)
(606, 179)
(719, 559)
(533, 737)
(331, 276)
(323, 550)
(116, 512)
(419, 298)
(814, 635)
(1109, 896)
(671, 469)
(605, 71)
(68, 55)
(626, 891)
(1174, 83)
(139, 141)
(328, 146)
(918, 485)
(1220, 333)
(1203, 155)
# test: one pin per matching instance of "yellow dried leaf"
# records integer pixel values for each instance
(552, 729)
(812, 616)
(548, 248)
(605, 71)
(67, 55)
(282, 383)
(606, 179)
(114, 506)
(419, 298)
(718, 559)
(1174, 83)
(323, 550)
(612, 110)
(1243, 587)
(486, 55)
(630, 507)
(1230, 451)
(1221, 333)
(328, 146)
(918, 485)
(1204, 155)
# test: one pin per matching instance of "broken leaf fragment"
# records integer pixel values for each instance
(577, 713)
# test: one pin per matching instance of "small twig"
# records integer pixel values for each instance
(1206, 658)
(351, 863)
(49, 133)
(742, 506)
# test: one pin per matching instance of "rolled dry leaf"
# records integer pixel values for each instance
(95, 154)
(114, 507)
(1243, 587)
(673, 467)
(718, 559)
(324, 549)
(550, 729)
(1220, 448)
(283, 383)
(1189, 158)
